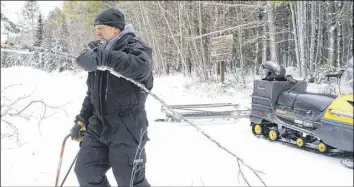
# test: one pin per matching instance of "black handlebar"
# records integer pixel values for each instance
(336, 75)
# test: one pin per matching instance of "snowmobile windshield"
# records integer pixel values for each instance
(346, 81)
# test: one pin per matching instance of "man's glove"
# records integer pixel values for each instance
(77, 131)
(89, 59)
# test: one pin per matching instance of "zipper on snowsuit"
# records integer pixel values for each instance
(108, 60)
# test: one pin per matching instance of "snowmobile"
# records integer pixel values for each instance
(282, 110)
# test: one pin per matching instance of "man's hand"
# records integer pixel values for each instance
(87, 60)
(77, 131)
(94, 44)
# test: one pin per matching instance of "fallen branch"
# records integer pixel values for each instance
(14, 130)
(8, 109)
(9, 86)
(178, 116)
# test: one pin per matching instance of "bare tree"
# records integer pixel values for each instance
(307, 35)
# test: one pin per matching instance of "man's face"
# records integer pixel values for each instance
(106, 33)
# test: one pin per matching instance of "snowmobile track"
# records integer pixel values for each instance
(310, 149)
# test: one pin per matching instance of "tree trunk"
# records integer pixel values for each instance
(150, 36)
(287, 48)
(181, 39)
(312, 42)
(331, 35)
(165, 45)
(256, 53)
(302, 37)
(295, 33)
(319, 39)
(339, 39)
(239, 35)
(264, 49)
(272, 34)
(339, 36)
(196, 55)
(203, 65)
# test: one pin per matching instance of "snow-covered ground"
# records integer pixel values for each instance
(177, 155)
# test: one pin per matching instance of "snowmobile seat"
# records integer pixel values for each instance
(310, 101)
(287, 99)
(304, 101)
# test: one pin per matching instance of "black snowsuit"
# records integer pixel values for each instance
(114, 110)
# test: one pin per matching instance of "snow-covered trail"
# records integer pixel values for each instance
(177, 155)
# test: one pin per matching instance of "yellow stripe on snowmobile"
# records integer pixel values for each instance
(341, 110)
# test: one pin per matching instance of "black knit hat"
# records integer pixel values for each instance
(111, 17)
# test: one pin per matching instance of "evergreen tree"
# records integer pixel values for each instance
(64, 33)
(38, 55)
(29, 14)
(47, 56)
(39, 32)
(62, 46)
(8, 25)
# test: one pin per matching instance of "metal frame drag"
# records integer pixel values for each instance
(204, 111)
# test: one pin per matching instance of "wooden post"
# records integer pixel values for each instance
(189, 67)
(218, 68)
(222, 71)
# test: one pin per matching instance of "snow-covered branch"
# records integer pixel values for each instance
(15, 109)
(181, 118)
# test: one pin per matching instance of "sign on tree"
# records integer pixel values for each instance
(221, 48)
(221, 51)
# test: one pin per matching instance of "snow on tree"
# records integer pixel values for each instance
(9, 26)
(39, 32)
(37, 57)
(46, 55)
(28, 19)
(29, 14)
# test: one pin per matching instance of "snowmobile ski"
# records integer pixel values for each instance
(347, 163)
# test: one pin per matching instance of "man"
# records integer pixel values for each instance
(113, 114)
